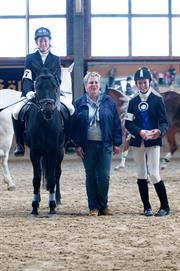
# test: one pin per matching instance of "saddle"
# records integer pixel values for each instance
(24, 111)
(65, 116)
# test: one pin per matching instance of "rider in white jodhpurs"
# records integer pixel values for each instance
(147, 123)
(33, 65)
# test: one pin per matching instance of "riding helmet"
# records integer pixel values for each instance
(142, 73)
(42, 32)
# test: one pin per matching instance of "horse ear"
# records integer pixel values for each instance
(70, 68)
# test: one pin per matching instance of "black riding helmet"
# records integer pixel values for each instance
(42, 32)
(142, 73)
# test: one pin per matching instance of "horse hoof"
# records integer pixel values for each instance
(119, 166)
(52, 212)
(11, 187)
(58, 201)
(163, 167)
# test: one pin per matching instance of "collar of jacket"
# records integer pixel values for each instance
(84, 99)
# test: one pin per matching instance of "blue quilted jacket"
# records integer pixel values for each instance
(109, 122)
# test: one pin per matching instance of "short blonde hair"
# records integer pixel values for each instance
(91, 74)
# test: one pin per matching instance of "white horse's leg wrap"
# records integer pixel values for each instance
(122, 160)
(166, 160)
(168, 156)
(52, 197)
(35, 197)
(67, 103)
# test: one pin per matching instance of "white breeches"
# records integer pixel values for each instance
(18, 107)
(68, 104)
(63, 100)
(147, 162)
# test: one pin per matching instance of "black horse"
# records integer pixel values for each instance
(45, 137)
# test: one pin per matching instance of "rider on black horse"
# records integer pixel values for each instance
(42, 58)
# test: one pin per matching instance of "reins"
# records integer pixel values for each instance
(1, 109)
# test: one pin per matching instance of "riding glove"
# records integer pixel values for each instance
(30, 95)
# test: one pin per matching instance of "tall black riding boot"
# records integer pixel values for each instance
(144, 193)
(19, 136)
(162, 195)
(70, 146)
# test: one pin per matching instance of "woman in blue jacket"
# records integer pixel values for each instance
(97, 135)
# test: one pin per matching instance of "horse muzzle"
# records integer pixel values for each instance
(47, 107)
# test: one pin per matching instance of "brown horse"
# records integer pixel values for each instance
(172, 104)
(121, 100)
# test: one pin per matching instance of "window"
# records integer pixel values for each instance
(109, 7)
(13, 34)
(12, 7)
(50, 7)
(150, 37)
(175, 37)
(135, 28)
(175, 7)
(149, 6)
(18, 26)
(113, 41)
(57, 26)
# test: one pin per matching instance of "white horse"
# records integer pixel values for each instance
(8, 99)
(66, 82)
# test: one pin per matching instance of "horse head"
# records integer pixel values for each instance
(121, 101)
(46, 93)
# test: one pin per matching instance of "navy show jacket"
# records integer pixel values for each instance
(157, 118)
(34, 63)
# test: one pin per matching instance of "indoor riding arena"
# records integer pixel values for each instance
(113, 38)
(72, 240)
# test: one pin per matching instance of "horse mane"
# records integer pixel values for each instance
(121, 100)
(45, 74)
(118, 94)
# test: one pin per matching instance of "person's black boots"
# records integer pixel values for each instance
(70, 146)
(162, 195)
(144, 193)
(19, 136)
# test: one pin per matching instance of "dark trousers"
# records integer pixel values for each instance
(97, 164)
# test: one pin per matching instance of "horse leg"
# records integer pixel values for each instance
(51, 180)
(122, 162)
(52, 203)
(36, 185)
(58, 193)
(124, 155)
(172, 145)
(58, 175)
(6, 173)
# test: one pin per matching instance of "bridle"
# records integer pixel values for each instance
(45, 106)
(45, 103)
